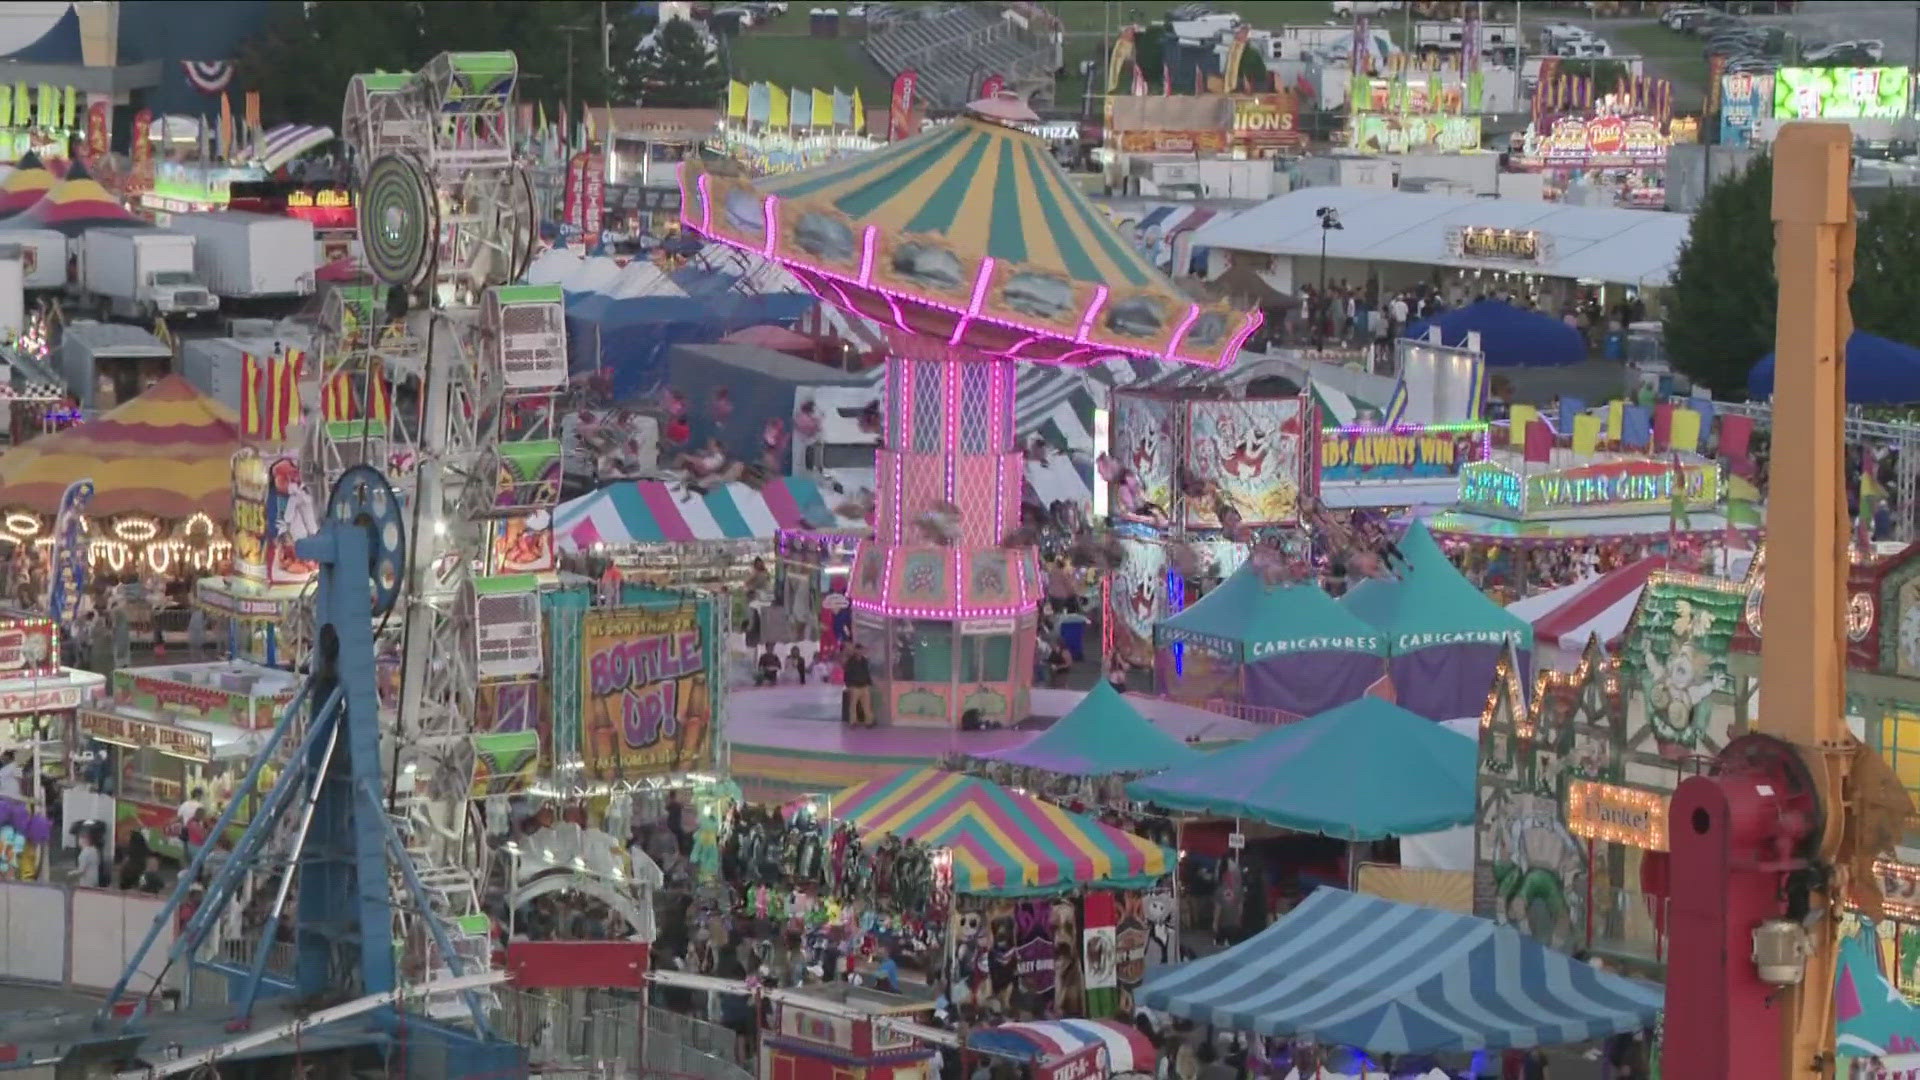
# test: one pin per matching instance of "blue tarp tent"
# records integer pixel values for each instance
(1509, 336)
(629, 338)
(1879, 372)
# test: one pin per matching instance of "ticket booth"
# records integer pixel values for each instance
(841, 1040)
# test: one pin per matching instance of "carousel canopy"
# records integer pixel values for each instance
(1431, 602)
(1394, 978)
(1002, 842)
(1247, 619)
(29, 181)
(967, 234)
(1101, 736)
(1367, 770)
(75, 205)
(167, 453)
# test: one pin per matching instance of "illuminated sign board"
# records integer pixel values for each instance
(1589, 142)
(1500, 245)
(1842, 93)
(1400, 453)
(1375, 134)
(1613, 814)
(1601, 489)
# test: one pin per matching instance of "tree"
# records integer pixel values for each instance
(680, 68)
(301, 62)
(1886, 267)
(1719, 308)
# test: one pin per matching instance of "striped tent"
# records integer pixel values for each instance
(967, 234)
(1128, 1049)
(657, 512)
(280, 145)
(1002, 841)
(75, 205)
(166, 454)
(27, 184)
(1393, 978)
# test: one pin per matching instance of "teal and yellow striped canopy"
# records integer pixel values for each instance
(968, 233)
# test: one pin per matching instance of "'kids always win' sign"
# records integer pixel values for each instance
(648, 710)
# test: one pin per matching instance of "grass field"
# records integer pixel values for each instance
(1670, 55)
(782, 52)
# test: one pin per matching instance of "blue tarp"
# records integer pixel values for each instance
(1879, 372)
(1509, 336)
(1395, 978)
(629, 338)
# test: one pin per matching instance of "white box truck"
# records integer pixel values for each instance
(13, 292)
(139, 274)
(43, 257)
(246, 256)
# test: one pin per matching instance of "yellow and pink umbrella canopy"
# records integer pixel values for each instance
(27, 184)
(166, 454)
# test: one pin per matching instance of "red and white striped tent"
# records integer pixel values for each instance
(1564, 619)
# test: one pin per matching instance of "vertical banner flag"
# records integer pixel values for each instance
(900, 110)
(574, 211)
(1470, 41)
(69, 108)
(1358, 61)
(22, 106)
(226, 128)
(140, 151)
(252, 113)
(67, 582)
(1099, 954)
(594, 214)
(99, 138)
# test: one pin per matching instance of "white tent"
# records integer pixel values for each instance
(553, 267)
(642, 278)
(595, 275)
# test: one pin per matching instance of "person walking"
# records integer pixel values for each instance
(857, 675)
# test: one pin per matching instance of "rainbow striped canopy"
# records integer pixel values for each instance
(75, 205)
(25, 185)
(166, 454)
(1001, 842)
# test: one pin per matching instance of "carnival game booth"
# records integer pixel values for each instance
(164, 731)
(38, 702)
(270, 510)
(1444, 636)
(1069, 1049)
(1022, 889)
(1281, 651)
(1392, 978)
(161, 473)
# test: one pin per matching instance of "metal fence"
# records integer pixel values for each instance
(598, 1033)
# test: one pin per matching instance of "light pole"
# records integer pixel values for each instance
(1329, 221)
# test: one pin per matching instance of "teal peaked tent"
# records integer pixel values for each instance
(1444, 636)
(1102, 736)
(1367, 770)
(1286, 647)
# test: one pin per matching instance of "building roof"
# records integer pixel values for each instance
(1633, 247)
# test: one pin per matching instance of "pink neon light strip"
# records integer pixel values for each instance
(770, 209)
(895, 611)
(980, 283)
(995, 402)
(1180, 332)
(951, 421)
(1093, 312)
(868, 242)
(706, 204)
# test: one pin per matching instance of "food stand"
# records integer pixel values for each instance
(37, 696)
(165, 731)
(842, 1040)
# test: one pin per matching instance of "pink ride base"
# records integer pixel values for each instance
(788, 741)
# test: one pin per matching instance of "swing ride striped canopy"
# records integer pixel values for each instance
(1002, 842)
(166, 454)
(76, 204)
(27, 184)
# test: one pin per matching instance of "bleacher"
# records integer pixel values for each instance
(955, 48)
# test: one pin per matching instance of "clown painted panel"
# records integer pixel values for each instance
(1137, 596)
(1244, 455)
(1144, 449)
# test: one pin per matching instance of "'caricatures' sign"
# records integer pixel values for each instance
(648, 708)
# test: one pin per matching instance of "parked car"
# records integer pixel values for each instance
(1863, 53)
(1742, 44)
(1681, 16)
(1712, 23)
(1753, 65)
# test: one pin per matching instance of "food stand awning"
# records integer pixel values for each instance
(658, 512)
(1102, 736)
(1128, 1049)
(1367, 770)
(1002, 842)
(167, 453)
(1398, 978)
